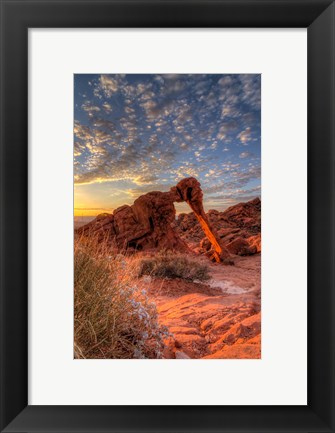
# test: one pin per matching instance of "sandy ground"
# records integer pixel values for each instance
(219, 319)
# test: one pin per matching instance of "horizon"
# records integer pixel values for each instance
(176, 205)
(139, 133)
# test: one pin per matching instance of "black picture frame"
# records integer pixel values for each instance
(17, 16)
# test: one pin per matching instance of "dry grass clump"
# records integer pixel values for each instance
(167, 264)
(112, 317)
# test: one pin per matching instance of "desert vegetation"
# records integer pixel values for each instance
(168, 264)
(113, 317)
(113, 314)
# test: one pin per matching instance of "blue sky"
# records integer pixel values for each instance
(139, 133)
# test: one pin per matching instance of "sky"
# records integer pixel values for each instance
(139, 133)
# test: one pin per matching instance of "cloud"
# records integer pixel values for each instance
(89, 107)
(184, 146)
(245, 136)
(152, 130)
(251, 84)
(229, 126)
(108, 85)
(221, 134)
(185, 171)
(107, 107)
(136, 192)
(231, 177)
(103, 123)
(145, 179)
(226, 81)
(210, 173)
(240, 194)
(78, 148)
(245, 154)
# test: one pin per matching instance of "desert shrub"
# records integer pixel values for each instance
(112, 317)
(171, 265)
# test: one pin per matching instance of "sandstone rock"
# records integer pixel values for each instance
(255, 241)
(189, 190)
(146, 225)
(237, 229)
(237, 351)
(245, 214)
(224, 232)
(205, 244)
(241, 247)
(181, 355)
(149, 223)
(245, 330)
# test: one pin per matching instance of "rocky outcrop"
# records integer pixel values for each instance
(189, 190)
(220, 320)
(147, 224)
(238, 229)
(245, 215)
(150, 224)
(207, 326)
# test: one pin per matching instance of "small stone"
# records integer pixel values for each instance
(181, 355)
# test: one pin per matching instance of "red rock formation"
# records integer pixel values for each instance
(245, 215)
(255, 241)
(150, 224)
(189, 190)
(147, 224)
(238, 229)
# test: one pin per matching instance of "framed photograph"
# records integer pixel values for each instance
(167, 216)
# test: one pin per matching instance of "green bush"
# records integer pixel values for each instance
(112, 317)
(172, 265)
